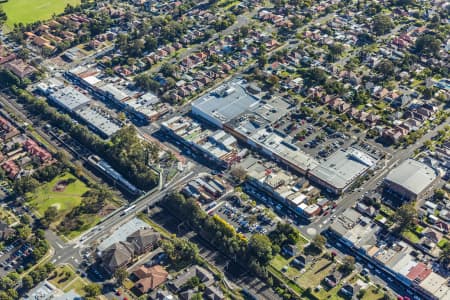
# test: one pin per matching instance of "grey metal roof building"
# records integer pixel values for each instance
(99, 120)
(340, 170)
(68, 97)
(410, 179)
(224, 103)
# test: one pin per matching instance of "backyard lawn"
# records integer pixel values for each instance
(64, 192)
(315, 273)
(29, 11)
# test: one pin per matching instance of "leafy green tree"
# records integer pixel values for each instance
(260, 248)
(3, 16)
(335, 50)
(348, 265)
(25, 185)
(385, 68)
(382, 24)
(50, 214)
(168, 69)
(428, 44)
(315, 76)
(23, 231)
(92, 290)
(180, 251)
(439, 194)
(444, 256)
(27, 282)
(120, 274)
(319, 241)
(284, 233)
(405, 216)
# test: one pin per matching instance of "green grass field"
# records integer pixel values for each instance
(29, 11)
(64, 201)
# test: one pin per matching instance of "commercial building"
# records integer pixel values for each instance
(278, 148)
(224, 103)
(341, 169)
(410, 179)
(285, 188)
(250, 119)
(65, 96)
(81, 106)
(117, 91)
(397, 260)
(217, 146)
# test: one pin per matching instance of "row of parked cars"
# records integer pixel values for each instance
(16, 258)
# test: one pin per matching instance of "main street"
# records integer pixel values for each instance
(349, 199)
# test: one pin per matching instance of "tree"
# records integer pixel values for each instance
(284, 233)
(92, 290)
(50, 214)
(239, 173)
(348, 265)
(428, 44)
(319, 242)
(316, 76)
(168, 69)
(385, 68)
(444, 256)
(27, 282)
(260, 247)
(180, 251)
(335, 50)
(23, 231)
(382, 24)
(120, 274)
(406, 216)
(3, 16)
(439, 194)
(25, 185)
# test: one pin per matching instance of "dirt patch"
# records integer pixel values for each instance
(106, 210)
(60, 186)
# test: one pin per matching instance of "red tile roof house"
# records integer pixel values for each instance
(7, 130)
(11, 169)
(38, 151)
(149, 278)
(4, 57)
(419, 272)
(20, 68)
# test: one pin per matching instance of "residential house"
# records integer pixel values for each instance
(11, 169)
(214, 293)
(205, 277)
(35, 150)
(143, 240)
(117, 255)
(289, 250)
(149, 278)
(7, 130)
(20, 68)
(5, 231)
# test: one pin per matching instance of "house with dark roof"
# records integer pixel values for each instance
(5, 231)
(205, 277)
(289, 250)
(117, 255)
(143, 240)
(214, 293)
